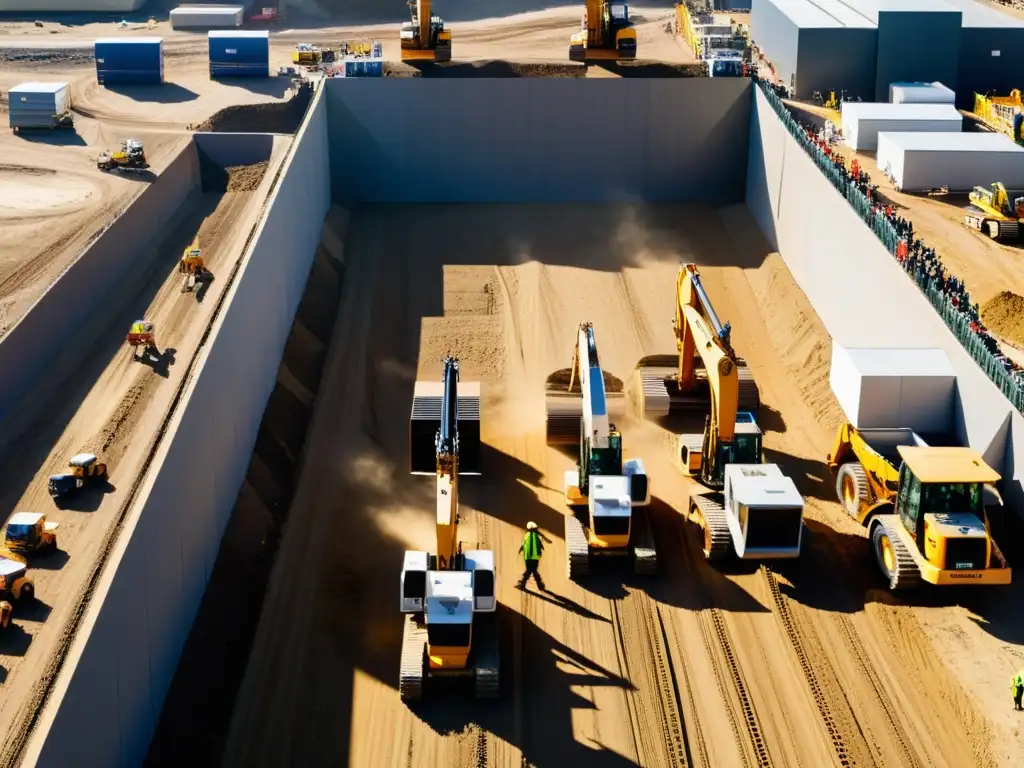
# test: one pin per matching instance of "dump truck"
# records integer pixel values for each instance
(30, 533)
(995, 212)
(86, 468)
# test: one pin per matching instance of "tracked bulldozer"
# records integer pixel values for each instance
(607, 496)
(923, 506)
(130, 158)
(193, 266)
(992, 212)
(448, 596)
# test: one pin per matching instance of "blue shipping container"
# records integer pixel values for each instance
(129, 60)
(232, 47)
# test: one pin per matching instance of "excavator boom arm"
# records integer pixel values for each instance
(587, 366)
(447, 452)
(723, 376)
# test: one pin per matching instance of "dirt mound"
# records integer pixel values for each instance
(486, 69)
(1004, 315)
(233, 178)
(278, 117)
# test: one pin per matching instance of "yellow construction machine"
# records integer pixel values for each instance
(606, 33)
(448, 596)
(29, 533)
(992, 212)
(611, 491)
(1004, 114)
(130, 158)
(312, 56)
(15, 584)
(923, 506)
(424, 37)
(193, 266)
(86, 469)
(669, 385)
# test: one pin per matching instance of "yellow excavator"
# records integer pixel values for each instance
(606, 33)
(923, 506)
(424, 37)
(448, 596)
(673, 384)
(991, 212)
(605, 493)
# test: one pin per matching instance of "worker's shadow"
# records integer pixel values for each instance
(88, 499)
(160, 362)
(565, 603)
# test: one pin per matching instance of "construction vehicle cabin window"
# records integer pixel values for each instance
(448, 635)
(909, 511)
(952, 497)
(611, 526)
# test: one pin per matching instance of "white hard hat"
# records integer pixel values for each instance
(531, 526)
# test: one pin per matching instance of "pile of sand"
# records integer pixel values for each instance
(277, 117)
(1004, 316)
(234, 178)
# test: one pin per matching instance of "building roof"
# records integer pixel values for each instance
(947, 465)
(129, 40)
(35, 87)
(237, 33)
(950, 142)
(863, 110)
(216, 10)
(845, 13)
(805, 15)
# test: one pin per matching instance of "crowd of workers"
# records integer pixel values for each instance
(921, 262)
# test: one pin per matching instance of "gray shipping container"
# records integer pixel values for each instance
(961, 161)
(39, 105)
(207, 17)
(822, 45)
(862, 121)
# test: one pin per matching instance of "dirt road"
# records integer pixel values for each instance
(701, 667)
(98, 400)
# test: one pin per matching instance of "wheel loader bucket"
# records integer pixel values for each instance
(426, 421)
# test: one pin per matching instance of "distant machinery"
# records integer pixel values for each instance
(992, 212)
(1004, 114)
(424, 37)
(606, 33)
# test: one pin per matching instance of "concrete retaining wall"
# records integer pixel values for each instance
(863, 297)
(227, 149)
(538, 140)
(31, 346)
(108, 696)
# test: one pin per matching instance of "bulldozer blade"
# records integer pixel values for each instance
(426, 421)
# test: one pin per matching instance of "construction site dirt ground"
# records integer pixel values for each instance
(97, 399)
(809, 663)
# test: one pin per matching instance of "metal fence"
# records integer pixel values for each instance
(954, 307)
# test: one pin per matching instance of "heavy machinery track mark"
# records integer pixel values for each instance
(747, 705)
(820, 699)
(868, 673)
(685, 736)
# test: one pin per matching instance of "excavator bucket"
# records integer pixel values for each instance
(426, 421)
(564, 406)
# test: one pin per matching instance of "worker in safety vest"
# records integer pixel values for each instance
(531, 549)
(1017, 686)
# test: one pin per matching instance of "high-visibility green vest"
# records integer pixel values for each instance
(1018, 682)
(531, 546)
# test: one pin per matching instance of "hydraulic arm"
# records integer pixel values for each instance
(606, 33)
(424, 37)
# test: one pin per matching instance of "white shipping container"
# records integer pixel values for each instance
(206, 17)
(52, 97)
(961, 161)
(862, 121)
(921, 93)
(894, 388)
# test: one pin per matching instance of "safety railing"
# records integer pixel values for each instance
(922, 264)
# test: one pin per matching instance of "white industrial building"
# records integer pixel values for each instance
(862, 122)
(919, 162)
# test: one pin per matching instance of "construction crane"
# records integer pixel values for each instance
(674, 384)
(611, 492)
(424, 38)
(923, 506)
(990, 212)
(606, 33)
(448, 596)
(130, 158)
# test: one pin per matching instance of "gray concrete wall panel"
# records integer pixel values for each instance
(227, 149)
(30, 347)
(858, 290)
(538, 140)
(917, 46)
(837, 60)
(112, 688)
(984, 73)
(777, 36)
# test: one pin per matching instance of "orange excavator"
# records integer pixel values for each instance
(424, 37)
